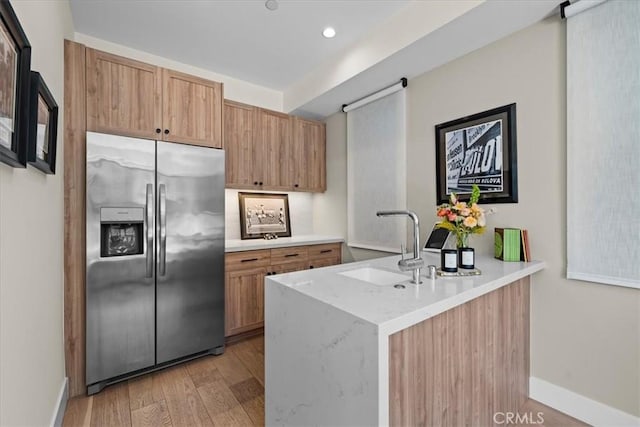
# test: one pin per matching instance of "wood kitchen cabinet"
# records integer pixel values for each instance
(123, 95)
(325, 255)
(131, 98)
(268, 150)
(274, 139)
(244, 290)
(257, 144)
(243, 162)
(309, 153)
(245, 272)
(191, 109)
(244, 300)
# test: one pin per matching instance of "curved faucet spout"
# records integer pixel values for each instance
(416, 239)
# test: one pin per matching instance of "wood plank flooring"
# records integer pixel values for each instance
(225, 390)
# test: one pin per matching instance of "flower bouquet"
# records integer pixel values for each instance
(462, 218)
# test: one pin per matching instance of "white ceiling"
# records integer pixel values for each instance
(378, 41)
(239, 38)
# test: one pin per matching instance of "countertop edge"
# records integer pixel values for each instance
(235, 245)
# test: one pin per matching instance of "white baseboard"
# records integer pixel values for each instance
(63, 397)
(578, 406)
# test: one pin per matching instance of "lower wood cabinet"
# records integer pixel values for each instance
(245, 273)
(244, 300)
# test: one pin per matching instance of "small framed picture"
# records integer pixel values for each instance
(15, 61)
(43, 126)
(262, 213)
(478, 149)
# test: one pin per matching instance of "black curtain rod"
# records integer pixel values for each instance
(562, 6)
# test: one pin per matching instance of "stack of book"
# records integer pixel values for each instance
(512, 244)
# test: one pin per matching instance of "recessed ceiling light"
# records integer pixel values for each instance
(271, 4)
(329, 32)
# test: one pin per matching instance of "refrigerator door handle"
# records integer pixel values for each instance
(149, 221)
(163, 229)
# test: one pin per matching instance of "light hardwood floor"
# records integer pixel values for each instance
(225, 390)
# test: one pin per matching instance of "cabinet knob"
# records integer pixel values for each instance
(295, 185)
(166, 131)
(255, 182)
(311, 266)
(260, 182)
(158, 130)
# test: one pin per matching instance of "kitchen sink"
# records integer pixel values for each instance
(376, 276)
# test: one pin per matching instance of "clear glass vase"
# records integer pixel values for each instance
(462, 240)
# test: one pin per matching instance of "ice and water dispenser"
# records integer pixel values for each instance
(121, 231)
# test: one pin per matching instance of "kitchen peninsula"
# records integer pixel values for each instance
(344, 346)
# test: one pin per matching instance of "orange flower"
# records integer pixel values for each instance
(470, 222)
(452, 217)
(443, 212)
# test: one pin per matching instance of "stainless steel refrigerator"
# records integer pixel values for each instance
(155, 256)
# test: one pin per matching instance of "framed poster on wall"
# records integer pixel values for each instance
(15, 61)
(478, 149)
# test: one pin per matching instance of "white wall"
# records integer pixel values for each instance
(234, 89)
(585, 337)
(31, 247)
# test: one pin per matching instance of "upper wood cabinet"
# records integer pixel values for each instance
(191, 109)
(274, 140)
(309, 153)
(123, 96)
(268, 150)
(131, 98)
(243, 161)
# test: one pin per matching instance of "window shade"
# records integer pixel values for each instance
(603, 144)
(376, 173)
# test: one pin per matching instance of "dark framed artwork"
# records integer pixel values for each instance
(478, 149)
(43, 126)
(262, 213)
(15, 61)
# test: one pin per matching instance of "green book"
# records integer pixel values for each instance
(507, 244)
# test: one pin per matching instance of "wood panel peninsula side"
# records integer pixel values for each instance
(451, 351)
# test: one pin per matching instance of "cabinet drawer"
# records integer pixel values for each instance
(287, 255)
(330, 250)
(324, 262)
(249, 259)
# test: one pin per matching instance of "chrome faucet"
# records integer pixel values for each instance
(416, 263)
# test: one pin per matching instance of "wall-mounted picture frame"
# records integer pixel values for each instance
(43, 126)
(262, 213)
(479, 149)
(15, 63)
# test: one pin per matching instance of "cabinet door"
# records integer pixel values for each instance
(191, 110)
(274, 139)
(244, 300)
(123, 96)
(243, 159)
(309, 155)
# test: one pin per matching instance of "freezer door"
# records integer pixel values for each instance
(190, 250)
(120, 293)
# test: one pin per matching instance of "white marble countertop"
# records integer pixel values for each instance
(237, 245)
(392, 309)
